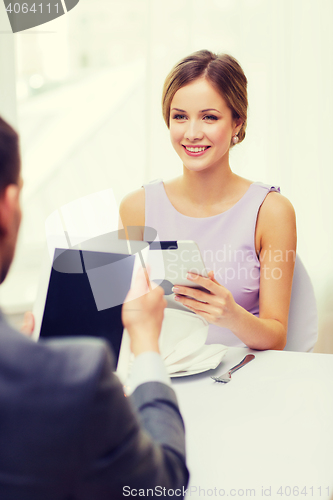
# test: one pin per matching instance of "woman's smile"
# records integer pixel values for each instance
(195, 150)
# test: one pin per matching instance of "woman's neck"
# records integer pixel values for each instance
(207, 187)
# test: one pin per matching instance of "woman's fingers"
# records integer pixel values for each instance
(212, 277)
(214, 289)
(217, 304)
(209, 283)
(197, 306)
(194, 293)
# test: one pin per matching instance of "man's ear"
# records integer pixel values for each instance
(9, 201)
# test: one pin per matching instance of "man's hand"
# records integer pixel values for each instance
(143, 315)
(28, 325)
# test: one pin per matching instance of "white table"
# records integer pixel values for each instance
(266, 434)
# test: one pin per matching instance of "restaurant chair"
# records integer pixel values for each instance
(303, 317)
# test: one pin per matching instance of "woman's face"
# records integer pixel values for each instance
(201, 126)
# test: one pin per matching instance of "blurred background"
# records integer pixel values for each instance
(84, 92)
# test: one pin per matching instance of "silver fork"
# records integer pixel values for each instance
(226, 377)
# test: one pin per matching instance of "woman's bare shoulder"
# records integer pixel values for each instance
(276, 220)
(132, 208)
(276, 223)
(277, 207)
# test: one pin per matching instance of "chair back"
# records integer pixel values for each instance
(303, 317)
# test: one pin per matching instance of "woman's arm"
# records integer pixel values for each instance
(132, 215)
(276, 241)
(276, 229)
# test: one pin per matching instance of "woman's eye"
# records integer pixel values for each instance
(210, 117)
(179, 117)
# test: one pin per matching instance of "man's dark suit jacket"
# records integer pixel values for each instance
(67, 432)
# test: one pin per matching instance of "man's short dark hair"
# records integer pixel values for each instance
(9, 156)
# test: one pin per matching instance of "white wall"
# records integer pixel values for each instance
(7, 69)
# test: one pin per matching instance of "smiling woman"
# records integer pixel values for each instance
(206, 132)
(240, 226)
(223, 73)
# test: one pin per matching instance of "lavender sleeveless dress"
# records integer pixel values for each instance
(226, 242)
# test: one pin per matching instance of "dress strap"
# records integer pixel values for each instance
(268, 187)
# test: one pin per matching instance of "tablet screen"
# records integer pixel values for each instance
(85, 295)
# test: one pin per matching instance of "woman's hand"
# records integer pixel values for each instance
(217, 305)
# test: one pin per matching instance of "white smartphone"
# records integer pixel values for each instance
(169, 263)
